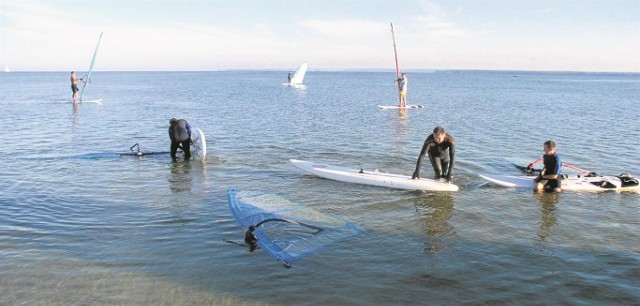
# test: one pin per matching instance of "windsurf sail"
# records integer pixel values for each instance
(87, 78)
(395, 52)
(298, 77)
(285, 230)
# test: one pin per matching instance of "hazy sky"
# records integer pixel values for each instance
(554, 35)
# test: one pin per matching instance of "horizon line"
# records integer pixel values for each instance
(352, 70)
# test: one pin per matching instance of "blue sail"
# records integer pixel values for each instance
(93, 61)
(296, 231)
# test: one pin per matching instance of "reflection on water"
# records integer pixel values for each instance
(548, 201)
(400, 130)
(180, 179)
(76, 120)
(402, 114)
(436, 210)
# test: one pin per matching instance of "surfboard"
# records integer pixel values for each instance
(96, 101)
(298, 86)
(198, 145)
(572, 182)
(374, 178)
(399, 107)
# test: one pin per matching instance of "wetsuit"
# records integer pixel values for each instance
(441, 156)
(180, 134)
(552, 165)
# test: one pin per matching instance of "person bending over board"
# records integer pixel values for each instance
(180, 134)
(402, 86)
(74, 86)
(549, 177)
(440, 147)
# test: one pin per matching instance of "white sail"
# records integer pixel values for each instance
(298, 77)
(6, 68)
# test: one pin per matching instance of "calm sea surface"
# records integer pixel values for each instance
(81, 225)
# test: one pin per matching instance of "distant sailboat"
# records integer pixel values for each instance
(6, 68)
(298, 77)
(398, 75)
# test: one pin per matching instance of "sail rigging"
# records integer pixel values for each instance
(285, 230)
(87, 78)
(298, 77)
(395, 52)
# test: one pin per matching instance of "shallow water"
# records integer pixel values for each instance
(81, 225)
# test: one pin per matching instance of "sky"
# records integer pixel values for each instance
(181, 35)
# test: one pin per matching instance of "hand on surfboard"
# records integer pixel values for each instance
(447, 179)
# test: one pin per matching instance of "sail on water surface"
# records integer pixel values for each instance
(285, 230)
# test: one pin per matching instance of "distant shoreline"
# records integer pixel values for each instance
(462, 71)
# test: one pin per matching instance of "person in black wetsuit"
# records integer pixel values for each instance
(549, 178)
(180, 135)
(440, 147)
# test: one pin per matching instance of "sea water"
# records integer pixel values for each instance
(79, 224)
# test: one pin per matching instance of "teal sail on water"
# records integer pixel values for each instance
(285, 230)
(87, 78)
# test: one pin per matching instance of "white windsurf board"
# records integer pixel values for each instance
(396, 181)
(399, 107)
(96, 101)
(572, 182)
(198, 145)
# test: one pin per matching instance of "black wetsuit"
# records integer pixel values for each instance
(180, 134)
(441, 156)
(552, 165)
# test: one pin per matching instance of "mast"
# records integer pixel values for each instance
(395, 52)
(93, 61)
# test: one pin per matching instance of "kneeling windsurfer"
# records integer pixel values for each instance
(549, 178)
(440, 147)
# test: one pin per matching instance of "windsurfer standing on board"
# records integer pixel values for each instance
(402, 87)
(74, 86)
(440, 147)
(289, 77)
